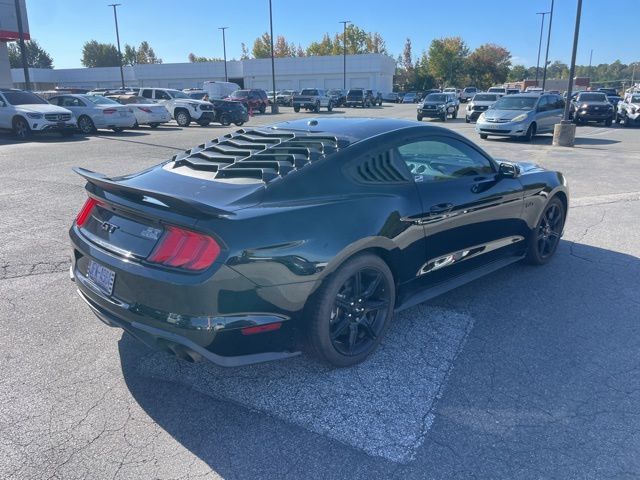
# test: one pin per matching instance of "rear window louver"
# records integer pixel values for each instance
(380, 169)
(258, 154)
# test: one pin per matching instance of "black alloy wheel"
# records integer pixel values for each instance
(154, 125)
(225, 120)
(352, 311)
(546, 236)
(262, 109)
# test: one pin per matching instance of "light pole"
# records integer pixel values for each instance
(546, 57)
(590, 58)
(115, 17)
(564, 133)
(224, 49)
(23, 48)
(540, 44)
(274, 105)
(344, 53)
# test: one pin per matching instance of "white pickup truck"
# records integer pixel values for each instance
(312, 99)
(183, 109)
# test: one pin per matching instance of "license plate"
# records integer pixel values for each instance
(101, 276)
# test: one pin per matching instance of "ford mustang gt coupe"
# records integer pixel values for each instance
(308, 233)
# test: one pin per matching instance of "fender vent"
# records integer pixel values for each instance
(380, 169)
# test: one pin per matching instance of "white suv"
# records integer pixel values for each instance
(183, 109)
(25, 113)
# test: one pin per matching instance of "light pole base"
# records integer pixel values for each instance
(274, 108)
(564, 134)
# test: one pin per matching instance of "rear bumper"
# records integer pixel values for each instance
(195, 317)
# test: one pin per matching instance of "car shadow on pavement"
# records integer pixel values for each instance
(548, 140)
(9, 139)
(206, 409)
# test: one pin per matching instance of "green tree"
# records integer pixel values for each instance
(96, 54)
(518, 73)
(488, 65)
(146, 55)
(262, 46)
(281, 48)
(447, 60)
(193, 58)
(37, 57)
(244, 55)
(130, 55)
(324, 47)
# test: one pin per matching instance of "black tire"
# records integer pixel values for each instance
(342, 331)
(239, 124)
(21, 128)
(627, 122)
(443, 117)
(608, 122)
(204, 123)
(136, 125)
(617, 118)
(296, 109)
(183, 117)
(545, 238)
(316, 107)
(154, 125)
(329, 107)
(419, 118)
(531, 132)
(454, 114)
(224, 120)
(262, 108)
(484, 136)
(85, 125)
(466, 119)
(118, 129)
(363, 104)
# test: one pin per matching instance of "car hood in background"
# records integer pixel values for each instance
(42, 108)
(503, 114)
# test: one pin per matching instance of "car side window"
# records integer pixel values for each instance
(162, 95)
(443, 159)
(147, 93)
(543, 104)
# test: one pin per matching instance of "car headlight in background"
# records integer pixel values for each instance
(481, 118)
(34, 115)
(520, 117)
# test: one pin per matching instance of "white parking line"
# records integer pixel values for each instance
(383, 406)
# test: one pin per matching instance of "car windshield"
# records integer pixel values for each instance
(592, 97)
(240, 94)
(485, 97)
(355, 92)
(515, 103)
(410, 94)
(177, 94)
(496, 89)
(100, 100)
(23, 98)
(197, 95)
(436, 97)
(470, 89)
(309, 91)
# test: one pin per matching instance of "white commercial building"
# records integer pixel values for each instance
(373, 71)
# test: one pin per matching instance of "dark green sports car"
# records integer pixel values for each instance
(249, 247)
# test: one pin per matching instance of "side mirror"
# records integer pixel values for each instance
(509, 170)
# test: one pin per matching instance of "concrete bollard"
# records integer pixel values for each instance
(564, 134)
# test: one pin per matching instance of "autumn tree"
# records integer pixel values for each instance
(324, 47)
(282, 49)
(144, 54)
(262, 46)
(193, 58)
(488, 65)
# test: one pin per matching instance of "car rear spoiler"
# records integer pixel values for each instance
(186, 206)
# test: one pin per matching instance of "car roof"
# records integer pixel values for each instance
(354, 128)
(529, 94)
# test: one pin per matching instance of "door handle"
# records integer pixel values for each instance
(441, 208)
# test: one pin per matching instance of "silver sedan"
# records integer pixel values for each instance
(95, 111)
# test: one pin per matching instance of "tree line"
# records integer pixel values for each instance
(444, 62)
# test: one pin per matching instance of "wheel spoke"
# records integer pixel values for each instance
(353, 335)
(368, 329)
(340, 327)
(373, 286)
(357, 284)
(375, 305)
(343, 302)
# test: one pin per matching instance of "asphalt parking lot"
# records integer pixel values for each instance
(528, 373)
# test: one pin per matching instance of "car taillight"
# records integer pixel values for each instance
(269, 327)
(145, 109)
(85, 211)
(108, 111)
(185, 249)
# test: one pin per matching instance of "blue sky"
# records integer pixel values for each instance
(174, 29)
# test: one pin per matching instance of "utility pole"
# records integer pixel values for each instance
(540, 44)
(546, 57)
(224, 49)
(274, 105)
(564, 133)
(115, 17)
(23, 47)
(344, 53)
